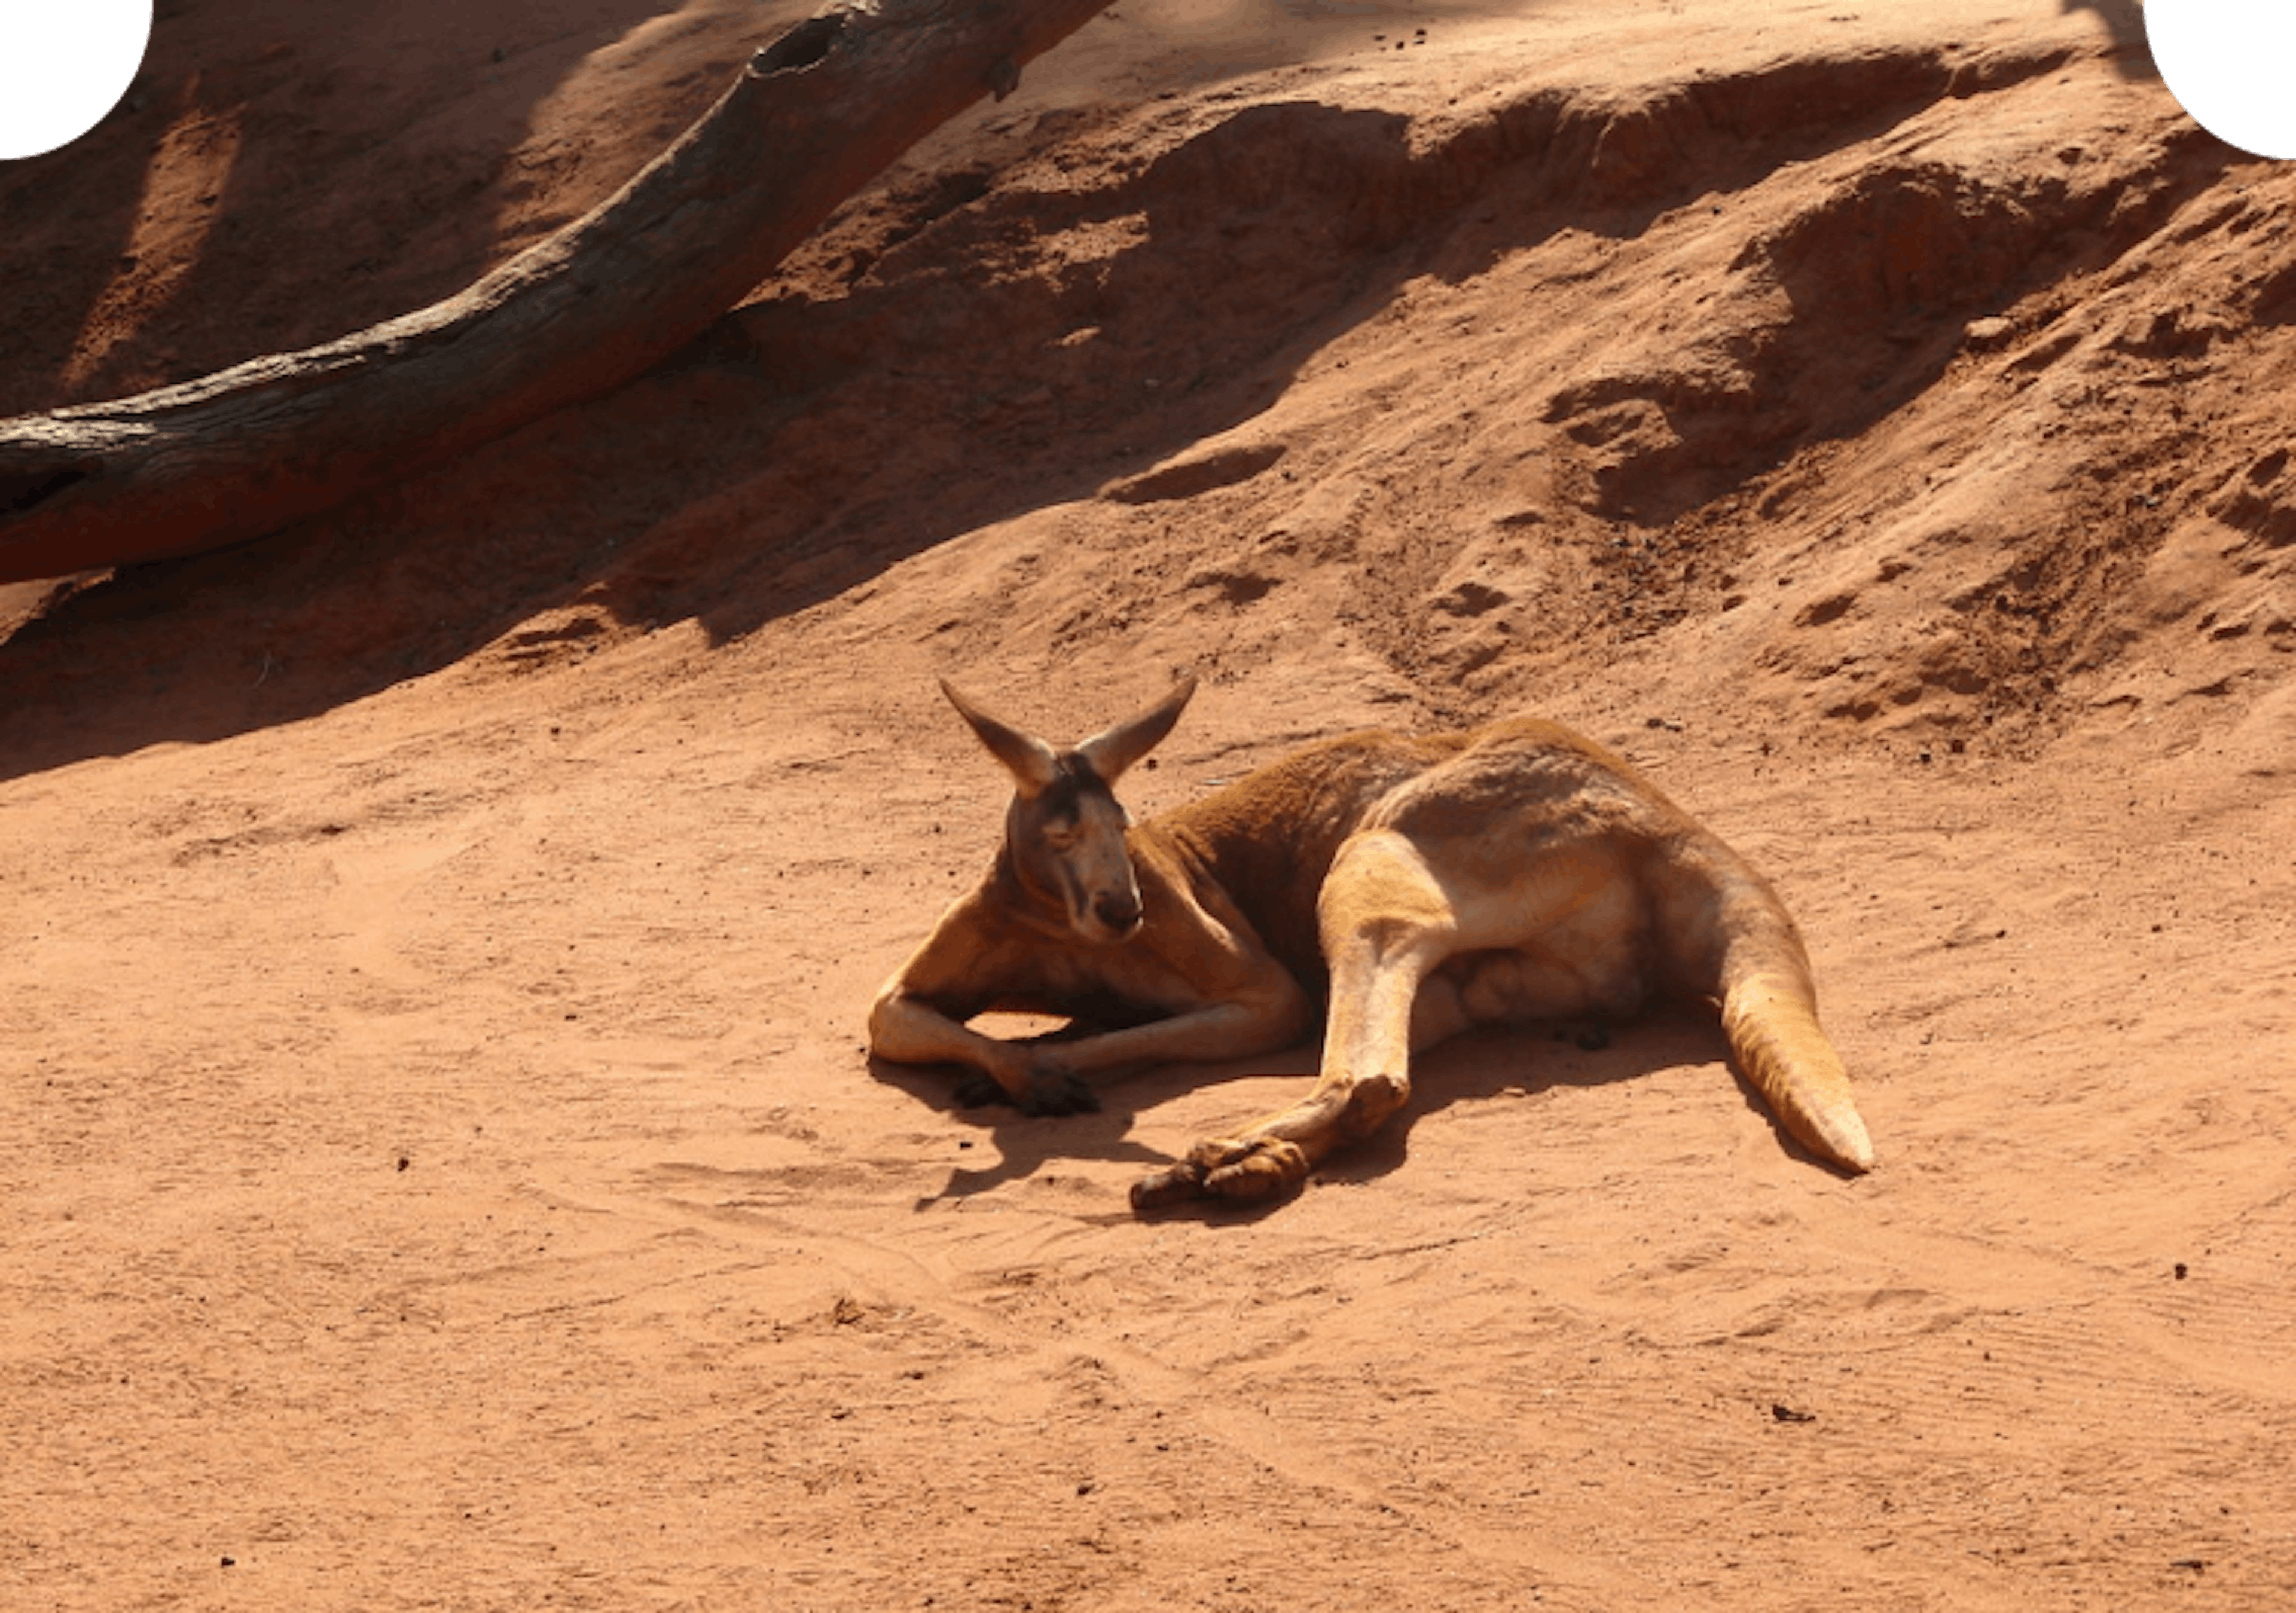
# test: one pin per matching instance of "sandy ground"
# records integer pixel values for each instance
(442, 1169)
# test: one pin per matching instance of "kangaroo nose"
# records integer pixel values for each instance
(1118, 910)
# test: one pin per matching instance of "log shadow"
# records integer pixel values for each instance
(939, 358)
(801, 446)
(184, 232)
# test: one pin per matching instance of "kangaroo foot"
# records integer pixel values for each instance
(1245, 1169)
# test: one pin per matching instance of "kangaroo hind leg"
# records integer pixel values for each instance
(1386, 923)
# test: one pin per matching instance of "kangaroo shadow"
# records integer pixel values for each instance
(1023, 1144)
(1501, 1062)
(1527, 1061)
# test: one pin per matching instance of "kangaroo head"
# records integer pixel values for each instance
(1064, 833)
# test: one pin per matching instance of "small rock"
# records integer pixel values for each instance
(1984, 335)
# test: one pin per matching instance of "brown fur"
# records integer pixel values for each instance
(1516, 872)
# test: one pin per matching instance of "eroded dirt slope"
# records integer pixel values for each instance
(443, 1167)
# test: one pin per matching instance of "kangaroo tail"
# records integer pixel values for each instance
(1739, 945)
(1770, 1012)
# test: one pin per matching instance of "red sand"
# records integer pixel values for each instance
(443, 1168)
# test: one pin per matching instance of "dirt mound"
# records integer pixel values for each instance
(443, 1164)
(1723, 325)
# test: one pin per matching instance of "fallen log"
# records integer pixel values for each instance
(207, 463)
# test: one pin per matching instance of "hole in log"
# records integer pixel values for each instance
(803, 45)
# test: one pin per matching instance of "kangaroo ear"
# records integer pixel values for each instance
(1111, 752)
(1028, 758)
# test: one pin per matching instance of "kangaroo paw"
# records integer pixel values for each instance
(1245, 1169)
(977, 1090)
(1047, 1092)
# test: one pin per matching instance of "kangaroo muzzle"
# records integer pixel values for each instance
(1117, 911)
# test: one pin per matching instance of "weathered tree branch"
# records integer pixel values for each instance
(813, 117)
